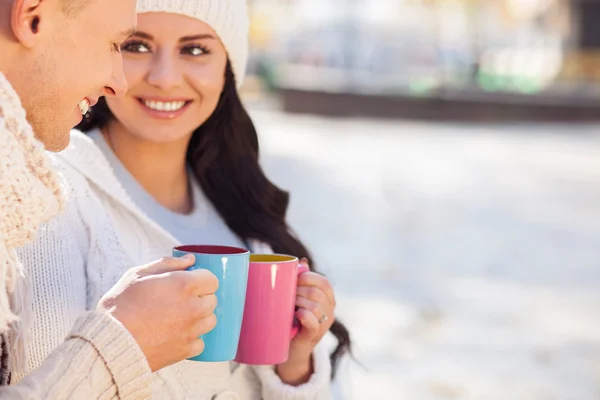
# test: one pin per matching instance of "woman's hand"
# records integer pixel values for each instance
(315, 301)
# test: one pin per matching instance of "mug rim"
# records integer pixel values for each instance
(285, 258)
(212, 250)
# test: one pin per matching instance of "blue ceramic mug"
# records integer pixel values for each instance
(230, 265)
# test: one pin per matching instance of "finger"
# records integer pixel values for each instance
(311, 306)
(197, 283)
(201, 281)
(304, 262)
(313, 293)
(167, 264)
(205, 325)
(196, 348)
(310, 325)
(205, 306)
(314, 279)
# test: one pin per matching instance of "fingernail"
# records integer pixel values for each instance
(188, 257)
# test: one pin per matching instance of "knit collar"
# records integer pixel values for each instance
(87, 159)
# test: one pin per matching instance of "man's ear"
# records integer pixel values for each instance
(26, 20)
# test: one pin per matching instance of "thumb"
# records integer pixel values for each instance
(167, 264)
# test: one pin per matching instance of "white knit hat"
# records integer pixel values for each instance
(228, 18)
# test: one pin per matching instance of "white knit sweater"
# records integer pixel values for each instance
(80, 255)
(98, 358)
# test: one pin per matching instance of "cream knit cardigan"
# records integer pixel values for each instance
(101, 234)
(99, 359)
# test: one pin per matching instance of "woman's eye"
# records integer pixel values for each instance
(194, 50)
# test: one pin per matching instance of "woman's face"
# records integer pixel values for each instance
(175, 68)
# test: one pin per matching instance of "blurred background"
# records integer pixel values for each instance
(444, 163)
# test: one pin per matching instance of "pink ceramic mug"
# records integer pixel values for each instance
(268, 324)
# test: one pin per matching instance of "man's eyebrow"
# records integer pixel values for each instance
(128, 33)
(143, 35)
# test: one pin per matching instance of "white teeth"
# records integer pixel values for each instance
(84, 106)
(164, 106)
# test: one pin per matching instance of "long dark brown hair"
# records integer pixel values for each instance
(224, 156)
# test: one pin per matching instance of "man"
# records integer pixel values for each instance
(57, 57)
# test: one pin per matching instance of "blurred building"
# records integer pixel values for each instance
(584, 61)
(409, 55)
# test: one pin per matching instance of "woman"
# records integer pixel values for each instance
(176, 161)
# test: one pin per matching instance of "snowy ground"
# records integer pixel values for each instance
(466, 259)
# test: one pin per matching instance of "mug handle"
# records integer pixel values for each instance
(296, 325)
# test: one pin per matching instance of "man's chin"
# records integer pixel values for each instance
(56, 149)
(55, 142)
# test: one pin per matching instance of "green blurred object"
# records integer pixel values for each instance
(524, 84)
(422, 87)
(267, 72)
